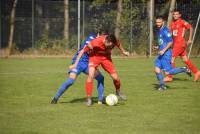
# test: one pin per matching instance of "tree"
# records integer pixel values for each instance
(151, 17)
(172, 6)
(119, 13)
(12, 26)
(66, 22)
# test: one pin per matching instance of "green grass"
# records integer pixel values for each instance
(28, 85)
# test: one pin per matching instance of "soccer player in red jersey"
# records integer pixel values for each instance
(178, 29)
(100, 54)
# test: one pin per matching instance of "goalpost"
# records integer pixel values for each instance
(194, 35)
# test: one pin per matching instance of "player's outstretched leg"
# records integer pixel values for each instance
(62, 89)
(169, 77)
(180, 70)
(192, 68)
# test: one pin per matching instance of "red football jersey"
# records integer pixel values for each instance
(178, 29)
(98, 48)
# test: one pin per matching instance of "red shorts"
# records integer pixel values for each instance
(105, 62)
(179, 52)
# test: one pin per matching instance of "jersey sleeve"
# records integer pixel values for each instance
(186, 24)
(88, 47)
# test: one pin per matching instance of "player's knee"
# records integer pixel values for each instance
(185, 59)
(157, 70)
(166, 73)
(89, 79)
(114, 76)
(99, 77)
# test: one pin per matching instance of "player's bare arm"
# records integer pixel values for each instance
(77, 60)
(190, 36)
(165, 49)
(123, 51)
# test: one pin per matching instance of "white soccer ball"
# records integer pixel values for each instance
(111, 99)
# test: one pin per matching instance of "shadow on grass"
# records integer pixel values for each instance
(178, 79)
(80, 100)
(156, 86)
(94, 100)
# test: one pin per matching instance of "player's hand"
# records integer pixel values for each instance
(161, 52)
(72, 66)
(126, 53)
(155, 47)
(189, 42)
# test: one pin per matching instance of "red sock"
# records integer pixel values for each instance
(191, 66)
(173, 65)
(117, 84)
(169, 76)
(89, 86)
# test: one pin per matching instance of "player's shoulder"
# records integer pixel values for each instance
(166, 31)
(165, 28)
(183, 22)
(100, 38)
(91, 37)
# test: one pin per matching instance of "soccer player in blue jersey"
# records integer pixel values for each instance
(163, 61)
(82, 67)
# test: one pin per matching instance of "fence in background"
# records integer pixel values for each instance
(39, 22)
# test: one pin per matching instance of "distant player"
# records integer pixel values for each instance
(82, 67)
(178, 29)
(100, 54)
(163, 61)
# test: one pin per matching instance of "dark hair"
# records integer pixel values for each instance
(160, 17)
(111, 38)
(102, 31)
(176, 10)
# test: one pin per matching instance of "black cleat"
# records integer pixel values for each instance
(54, 101)
(188, 72)
(89, 102)
(100, 102)
(121, 95)
(162, 88)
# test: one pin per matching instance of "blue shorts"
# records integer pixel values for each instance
(81, 67)
(164, 63)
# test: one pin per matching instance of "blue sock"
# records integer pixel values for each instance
(64, 87)
(100, 86)
(177, 70)
(160, 77)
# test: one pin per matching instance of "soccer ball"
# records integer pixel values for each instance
(111, 100)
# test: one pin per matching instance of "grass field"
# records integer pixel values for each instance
(28, 85)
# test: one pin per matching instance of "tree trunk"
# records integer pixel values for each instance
(12, 26)
(66, 22)
(151, 17)
(164, 9)
(119, 13)
(172, 6)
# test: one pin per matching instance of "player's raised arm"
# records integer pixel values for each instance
(123, 51)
